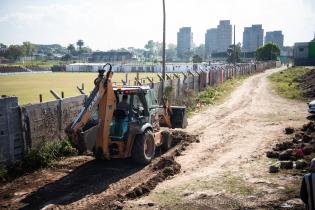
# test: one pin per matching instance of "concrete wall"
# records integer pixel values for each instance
(12, 145)
(29, 126)
(47, 121)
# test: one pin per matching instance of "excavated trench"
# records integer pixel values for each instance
(84, 183)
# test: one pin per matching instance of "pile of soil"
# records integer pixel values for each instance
(185, 139)
(307, 84)
(297, 152)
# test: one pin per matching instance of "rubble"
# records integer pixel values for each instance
(286, 164)
(273, 169)
(297, 152)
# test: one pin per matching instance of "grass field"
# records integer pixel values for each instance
(27, 87)
(285, 82)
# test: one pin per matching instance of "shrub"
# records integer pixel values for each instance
(40, 158)
(3, 172)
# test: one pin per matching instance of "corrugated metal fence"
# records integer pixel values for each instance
(29, 126)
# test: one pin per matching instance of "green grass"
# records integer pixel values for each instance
(27, 87)
(285, 82)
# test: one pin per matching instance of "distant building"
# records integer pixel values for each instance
(286, 54)
(184, 42)
(275, 37)
(253, 37)
(224, 35)
(110, 56)
(210, 41)
(218, 40)
(304, 54)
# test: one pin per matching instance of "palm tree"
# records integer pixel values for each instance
(71, 49)
(80, 43)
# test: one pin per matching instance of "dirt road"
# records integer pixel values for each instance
(228, 169)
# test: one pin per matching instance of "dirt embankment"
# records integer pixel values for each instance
(307, 83)
(84, 183)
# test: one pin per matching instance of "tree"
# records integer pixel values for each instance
(28, 48)
(234, 54)
(2, 46)
(86, 50)
(154, 48)
(150, 45)
(200, 50)
(14, 52)
(267, 52)
(187, 55)
(170, 52)
(197, 59)
(66, 57)
(71, 49)
(80, 43)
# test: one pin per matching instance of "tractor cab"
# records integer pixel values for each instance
(131, 108)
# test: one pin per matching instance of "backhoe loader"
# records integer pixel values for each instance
(136, 130)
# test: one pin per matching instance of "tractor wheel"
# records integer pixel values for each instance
(143, 150)
(98, 154)
(167, 140)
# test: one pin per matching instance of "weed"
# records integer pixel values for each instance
(3, 172)
(286, 82)
(40, 158)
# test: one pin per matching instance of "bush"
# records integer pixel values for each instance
(49, 153)
(35, 159)
(3, 172)
(286, 82)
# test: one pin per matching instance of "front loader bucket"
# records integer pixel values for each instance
(85, 140)
(88, 138)
(178, 117)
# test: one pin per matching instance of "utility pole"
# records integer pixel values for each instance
(163, 51)
(234, 54)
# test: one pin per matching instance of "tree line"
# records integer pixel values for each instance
(14, 52)
(152, 51)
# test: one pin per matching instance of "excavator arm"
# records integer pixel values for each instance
(102, 97)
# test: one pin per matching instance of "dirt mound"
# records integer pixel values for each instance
(307, 83)
(298, 151)
(185, 139)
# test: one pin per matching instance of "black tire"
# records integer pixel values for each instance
(143, 150)
(167, 141)
(98, 154)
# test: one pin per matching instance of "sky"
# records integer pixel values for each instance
(113, 24)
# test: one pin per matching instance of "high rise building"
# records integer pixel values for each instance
(275, 37)
(218, 39)
(210, 41)
(224, 35)
(253, 37)
(184, 41)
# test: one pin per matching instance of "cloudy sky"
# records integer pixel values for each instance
(108, 24)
